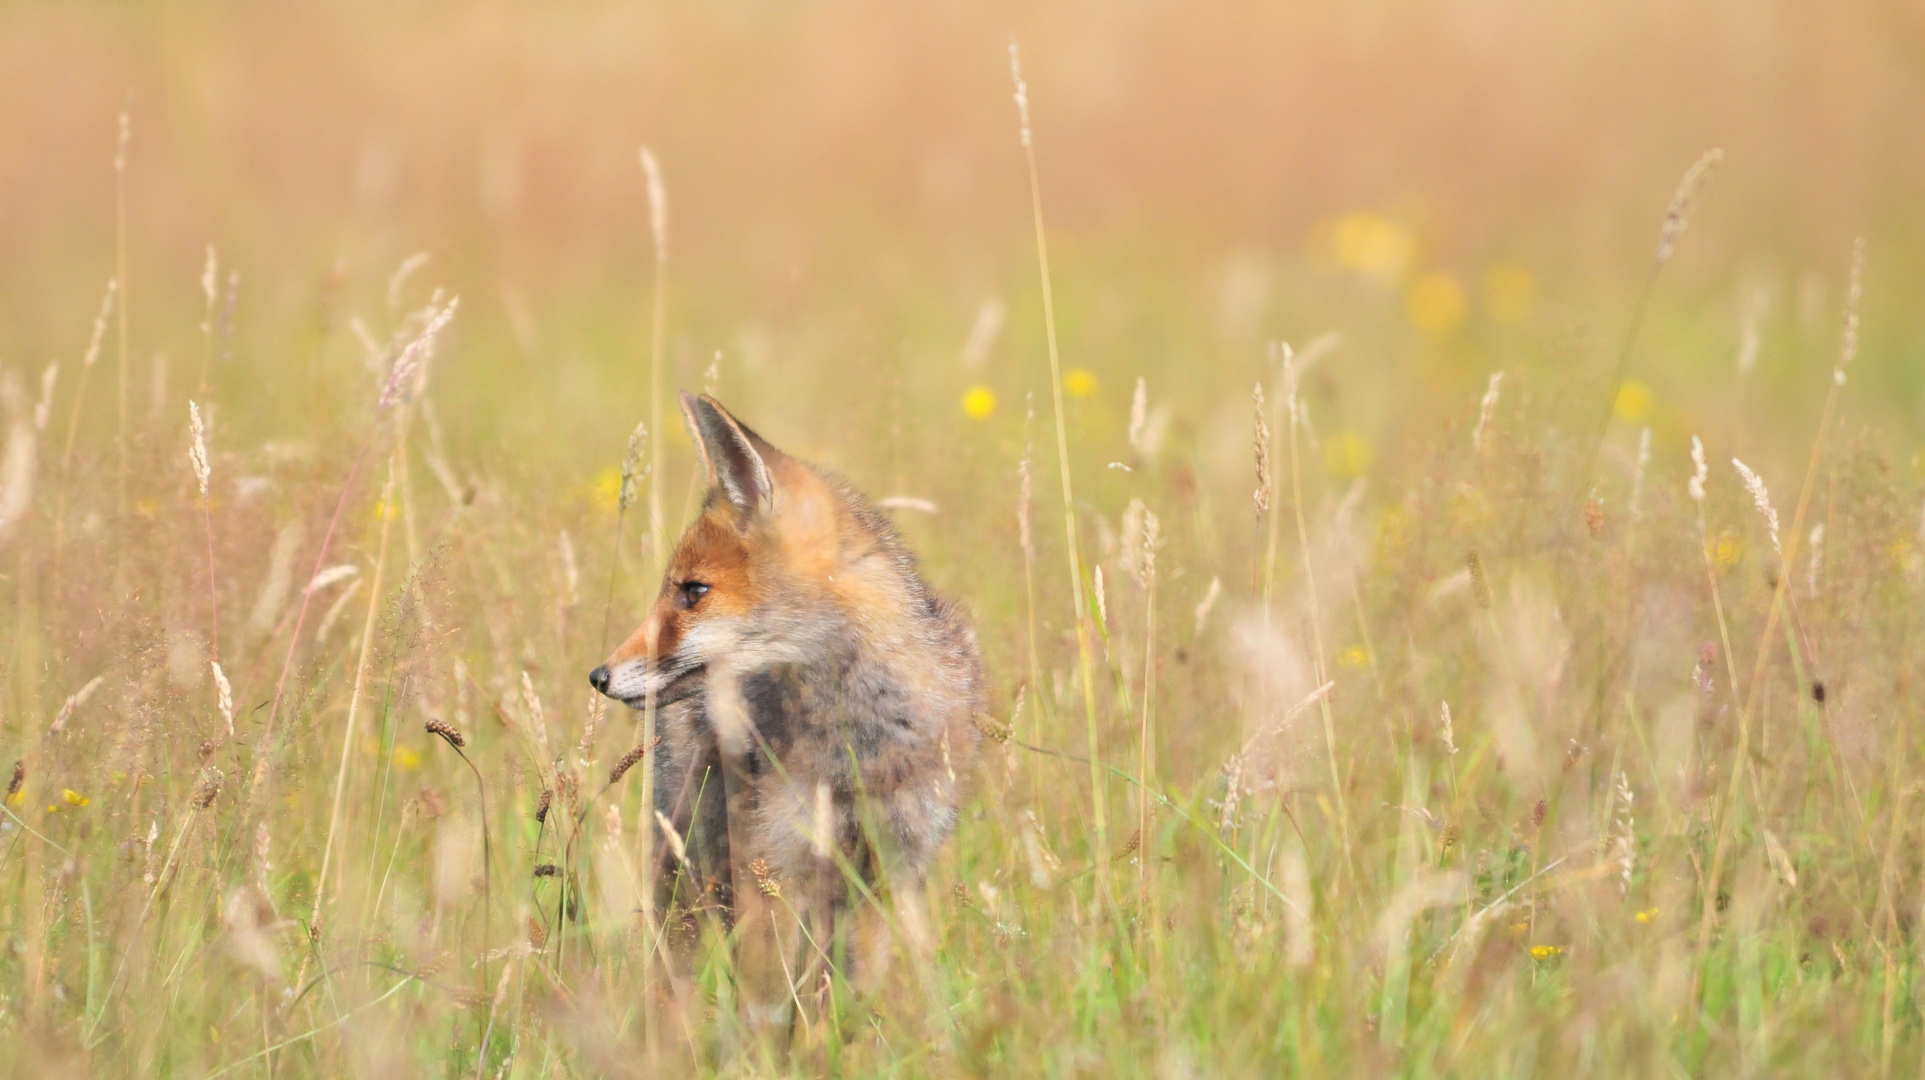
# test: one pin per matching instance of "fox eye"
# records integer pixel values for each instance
(693, 591)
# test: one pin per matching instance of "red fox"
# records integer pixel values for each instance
(817, 704)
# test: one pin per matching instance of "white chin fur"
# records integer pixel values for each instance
(633, 681)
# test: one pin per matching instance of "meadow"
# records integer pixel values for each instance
(1441, 503)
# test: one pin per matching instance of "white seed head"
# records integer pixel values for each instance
(1139, 414)
(197, 450)
(226, 698)
(1626, 840)
(1485, 411)
(657, 204)
(1209, 601)
(333, 575)
(1848, 345)
(210, 287)
(43, 409)
(675, 845)
(1022, 90)
(1761, 498)
(100, 325)
(1699, 470)
(417, 353)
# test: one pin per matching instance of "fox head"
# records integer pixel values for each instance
(757, 579)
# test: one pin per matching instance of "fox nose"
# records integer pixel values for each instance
(598, 678)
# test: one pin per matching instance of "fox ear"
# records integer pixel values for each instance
(729, 453)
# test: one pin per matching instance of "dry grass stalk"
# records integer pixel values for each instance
(1674, 223)
(1203, 606)
(120, 318)
(1146, 733)
(408, 368)
(1727, 812)
(658, 226)
(1099, 801)
(210, 291)
(18, 462)
(1294, 406)
(197, 457)
(1027, 542)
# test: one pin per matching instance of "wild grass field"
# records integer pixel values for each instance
(1489, 645)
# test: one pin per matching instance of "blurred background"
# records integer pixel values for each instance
(1452, 187)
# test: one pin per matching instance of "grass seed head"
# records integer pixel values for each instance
(1675, 216)
(1022, 91)
(447, 732)
(634, 469)
(1848, 344)
(208, 790)
(1262, 448)
(629, 761)
(197, 450)
(765, 879)
(1480, 584)
(1761, 498)
(657, 204)
(416, 354)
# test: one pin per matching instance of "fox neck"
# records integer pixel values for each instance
(851, 694)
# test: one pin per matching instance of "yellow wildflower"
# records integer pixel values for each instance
(73, 798)
(608, 487)
(1435, 304)
(1346, 455)
(1727, 551)
(1354, 656)
(1545, 952)
(1078, 382)
(1373, 246)
(1633, 405)
(979, 401)
(1510, 292)
(1646, 915)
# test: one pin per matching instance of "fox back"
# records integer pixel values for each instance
(816, 699)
